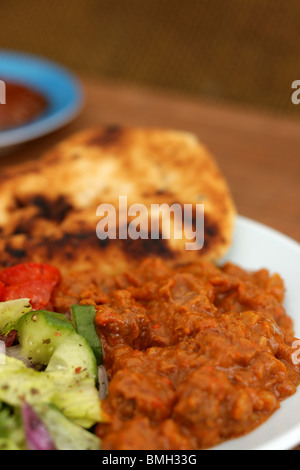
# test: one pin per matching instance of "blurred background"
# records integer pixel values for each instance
(242, 52)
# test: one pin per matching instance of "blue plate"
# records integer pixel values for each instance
(57, 84)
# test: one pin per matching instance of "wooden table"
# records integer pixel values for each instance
(259, 154)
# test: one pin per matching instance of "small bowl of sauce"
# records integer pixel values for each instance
(23, 105)
(37, 97)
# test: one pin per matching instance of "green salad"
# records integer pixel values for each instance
(49, 381)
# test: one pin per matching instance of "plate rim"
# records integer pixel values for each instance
(271, 230)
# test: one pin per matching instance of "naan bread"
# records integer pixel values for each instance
(48, 207)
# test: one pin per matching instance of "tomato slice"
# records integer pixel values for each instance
(39, 292)
(28, 272)
(34, 281)
(2, 290)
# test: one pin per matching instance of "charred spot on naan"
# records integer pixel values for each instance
(143, 248)
(28, 212)
(213, 236)
(15, 254)
(105, 137)
(52, 209)
(82, 251)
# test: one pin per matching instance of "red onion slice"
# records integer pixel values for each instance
(103, 382)
(37, 435)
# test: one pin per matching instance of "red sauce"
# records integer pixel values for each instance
(23, 105)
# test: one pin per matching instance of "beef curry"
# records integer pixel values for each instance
(195, 355)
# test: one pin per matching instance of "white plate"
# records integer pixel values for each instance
(256, 246)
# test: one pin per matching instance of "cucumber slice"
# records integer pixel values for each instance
(49, 339)
(74, 355)
(73, 395)
(11, 311)
(83, 317)
(40, 333)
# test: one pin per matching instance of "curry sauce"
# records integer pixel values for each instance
(195, 354)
